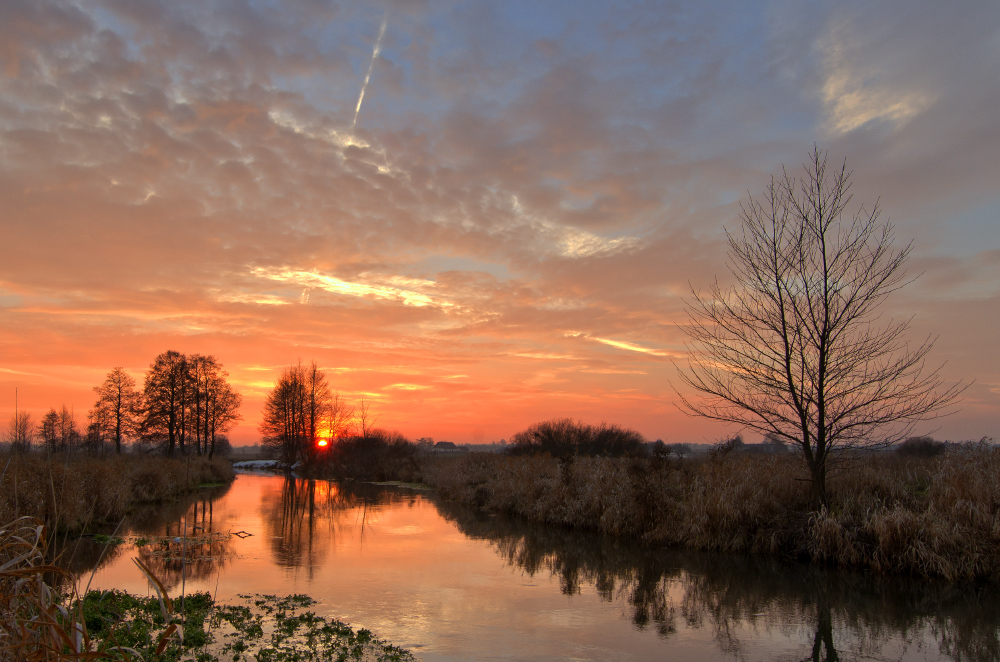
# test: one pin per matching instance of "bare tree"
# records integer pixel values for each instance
(222, 410)
(796, 349)
(20, 432)
(317, 403)
(298, 410)
(58, 430)
(117, 410)
(281, 422)
(366, 418)
(340, 418)
(166, 393)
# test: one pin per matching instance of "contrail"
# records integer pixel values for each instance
(368, 76)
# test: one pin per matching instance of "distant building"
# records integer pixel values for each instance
(445, 446)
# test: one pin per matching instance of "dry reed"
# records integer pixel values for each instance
(34, 623)
(931, 517)
(71, 492)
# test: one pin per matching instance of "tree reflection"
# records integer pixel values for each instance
(189, 546)
(302, 517)
(159, 524)
(852, 615)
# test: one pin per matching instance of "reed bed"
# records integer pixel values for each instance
(69, 493)
(932, 517)
(35, 624)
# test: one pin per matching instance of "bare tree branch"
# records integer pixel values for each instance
(797, 348)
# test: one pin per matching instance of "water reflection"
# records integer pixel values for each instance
(179, 540)
(303, 517)
(441, 578)
(848, 615)
(177, 559)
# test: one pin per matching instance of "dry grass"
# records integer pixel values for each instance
(932, 517)
(71, 492)
(34, 624)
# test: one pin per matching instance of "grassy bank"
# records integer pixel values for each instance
(71, 492)
(933, 517)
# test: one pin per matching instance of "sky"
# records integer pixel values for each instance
(475, 215)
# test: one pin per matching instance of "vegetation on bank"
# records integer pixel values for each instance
(69, 492)
(903, 513)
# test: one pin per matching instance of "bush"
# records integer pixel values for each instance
(564, 438)
(381, 455)
(921, 447)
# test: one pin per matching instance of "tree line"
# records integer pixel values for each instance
(186, 405)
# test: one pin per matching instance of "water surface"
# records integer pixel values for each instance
(454, 584)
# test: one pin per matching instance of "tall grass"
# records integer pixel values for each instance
(34, 622)
(69, 493)
(933, 517)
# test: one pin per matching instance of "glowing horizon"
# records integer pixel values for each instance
(474, 217)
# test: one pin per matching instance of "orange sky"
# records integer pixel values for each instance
(502, 231)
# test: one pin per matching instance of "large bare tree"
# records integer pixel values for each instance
(117, 412)
(797, 348)
(188, 398)
(166, 392)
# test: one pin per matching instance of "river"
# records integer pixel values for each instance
(450, 583)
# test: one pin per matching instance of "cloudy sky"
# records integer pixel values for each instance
(495, 219)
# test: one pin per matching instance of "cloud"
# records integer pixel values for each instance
(621, 344)
(184, 175)
(334, 285)
(857, 90)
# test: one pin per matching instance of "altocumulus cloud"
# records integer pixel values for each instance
(522, 198)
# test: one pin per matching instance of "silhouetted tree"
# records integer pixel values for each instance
(188, 398)
(222, 411)
(213, 404)
(57, 430)
(366, 418)
(20, 432)
(165, 394)
(116, 414)
(297, 411)
(796, 349)
(340, 419)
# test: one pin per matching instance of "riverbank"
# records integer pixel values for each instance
(931, 517)
(72, 492)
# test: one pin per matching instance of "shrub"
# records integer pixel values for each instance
(921, 447)
(564, 438)
(381, 455)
